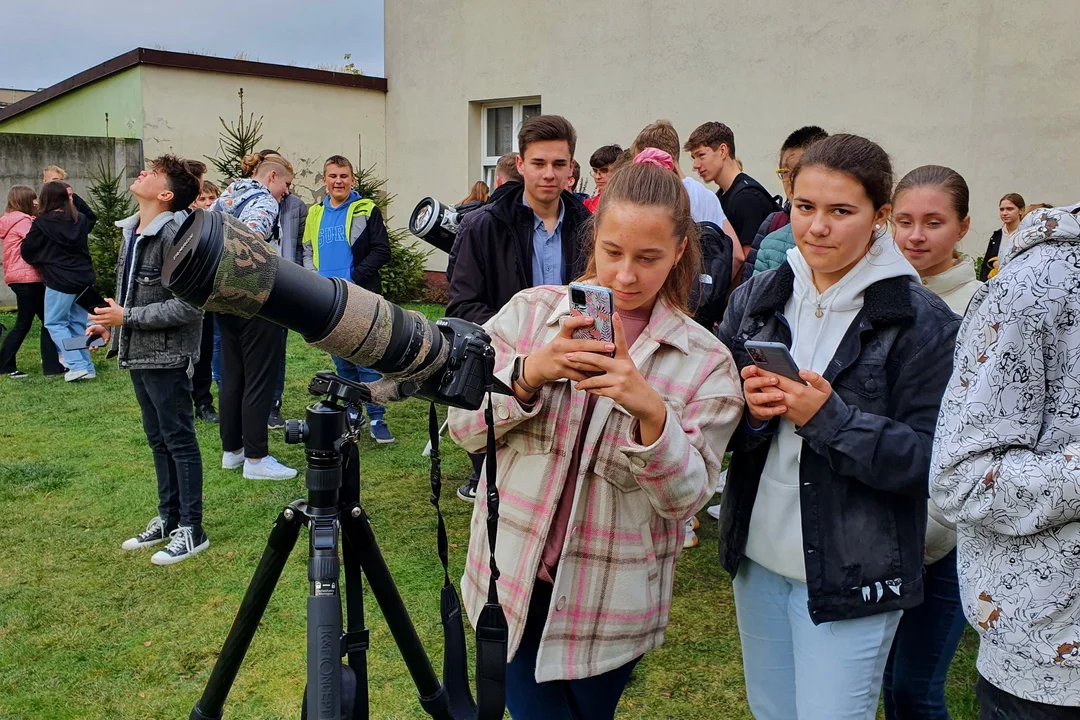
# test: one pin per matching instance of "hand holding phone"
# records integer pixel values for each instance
(775, 358)
(84, 342)
(599, 304)
(90, 300)
(782, 390)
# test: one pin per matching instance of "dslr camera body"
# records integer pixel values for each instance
(469, 367)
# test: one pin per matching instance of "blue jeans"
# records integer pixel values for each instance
(356, 373)
(64, 319)
(924, 646)
(795, 669)
(593, 698)
(169, 423)
(215, 363)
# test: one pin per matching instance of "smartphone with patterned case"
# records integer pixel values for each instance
(598, 303)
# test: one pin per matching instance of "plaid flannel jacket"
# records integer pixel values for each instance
(613, 587)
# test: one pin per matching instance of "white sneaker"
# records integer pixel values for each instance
(73, 375)
(267, 469)
(232, 460)
(690, 539)
(714, 511)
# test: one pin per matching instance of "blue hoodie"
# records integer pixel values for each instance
(335, 251)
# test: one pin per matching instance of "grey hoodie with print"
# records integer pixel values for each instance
(1006, 464)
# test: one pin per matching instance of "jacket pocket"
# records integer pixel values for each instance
(610, 463)
(865, 386)
(148, 276)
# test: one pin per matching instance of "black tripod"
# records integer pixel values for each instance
(332, 507)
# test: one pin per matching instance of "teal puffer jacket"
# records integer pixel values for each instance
(773, 250)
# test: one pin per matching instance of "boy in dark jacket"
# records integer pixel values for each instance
(157, 337)
(527, 235)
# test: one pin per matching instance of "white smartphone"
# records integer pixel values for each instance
(775, 358)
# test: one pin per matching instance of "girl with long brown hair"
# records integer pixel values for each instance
(1010, 208)
(604, 452)
(478, 194)
(27, 284)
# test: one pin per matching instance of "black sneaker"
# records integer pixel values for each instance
(156, 531)
(17, 375)
(184, 542)
(206, 413)
(275, 421)
(467, 492)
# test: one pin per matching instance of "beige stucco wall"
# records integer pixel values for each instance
(306, 121)
(979, 85)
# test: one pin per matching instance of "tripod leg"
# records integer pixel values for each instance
(278, 546)
(354, 606)
(324, 620)
(433, 696)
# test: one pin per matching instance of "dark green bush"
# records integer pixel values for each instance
(110, 202)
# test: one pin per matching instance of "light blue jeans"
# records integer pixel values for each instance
(796, 670)
(64, 319)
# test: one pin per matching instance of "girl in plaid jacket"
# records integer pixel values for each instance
(603, 453)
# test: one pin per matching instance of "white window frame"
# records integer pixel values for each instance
(488, 162)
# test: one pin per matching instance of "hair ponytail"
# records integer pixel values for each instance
(249, 163)
(652, 185)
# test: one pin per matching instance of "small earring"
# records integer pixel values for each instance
(877, 227)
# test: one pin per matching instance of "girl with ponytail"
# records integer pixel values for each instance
(604, 452)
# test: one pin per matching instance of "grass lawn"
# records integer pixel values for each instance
(90, 631)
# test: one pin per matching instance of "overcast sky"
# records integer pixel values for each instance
(37, 51)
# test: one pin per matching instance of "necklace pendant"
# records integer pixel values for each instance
(819, 312)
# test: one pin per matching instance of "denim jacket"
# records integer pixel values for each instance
(160, 331)
(865, 459)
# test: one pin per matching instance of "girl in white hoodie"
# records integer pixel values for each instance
(930, 218)
(824, 513)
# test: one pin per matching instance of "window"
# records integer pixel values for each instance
(499, 125)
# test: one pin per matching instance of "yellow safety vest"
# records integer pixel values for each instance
(314, 221)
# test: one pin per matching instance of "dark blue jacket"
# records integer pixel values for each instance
(866, 454)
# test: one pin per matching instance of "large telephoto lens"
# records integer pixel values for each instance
(216, 263)
(251, 281)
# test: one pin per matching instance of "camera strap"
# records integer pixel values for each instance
(491, 628)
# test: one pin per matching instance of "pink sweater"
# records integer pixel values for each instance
(13, 228)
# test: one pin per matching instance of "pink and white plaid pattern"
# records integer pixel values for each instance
(613, 588)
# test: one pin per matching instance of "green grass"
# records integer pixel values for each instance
(90, 631)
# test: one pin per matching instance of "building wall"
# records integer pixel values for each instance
(82, 111)
(9, 96)
(973, 84)
(306, 122)
(25, 156)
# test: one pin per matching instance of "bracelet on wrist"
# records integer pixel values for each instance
(519, 377)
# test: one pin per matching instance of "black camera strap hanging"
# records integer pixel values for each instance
(491, 629)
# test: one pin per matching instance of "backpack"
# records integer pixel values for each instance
(708, 299)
